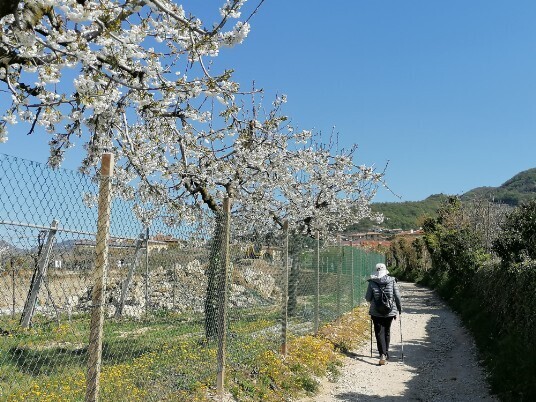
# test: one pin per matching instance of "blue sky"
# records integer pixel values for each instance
(443, 90)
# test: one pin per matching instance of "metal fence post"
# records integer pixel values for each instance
(284, 291)
(223, 297)
(38, 277)
(128, 280)
(13, 285)
(317, 285)
(99, 277)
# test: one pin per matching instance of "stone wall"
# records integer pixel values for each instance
(183, 288)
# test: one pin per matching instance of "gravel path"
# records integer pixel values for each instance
(439, 360)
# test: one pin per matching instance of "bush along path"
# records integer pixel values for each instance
(440, 362)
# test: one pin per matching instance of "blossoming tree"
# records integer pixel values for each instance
(325, 193)
(126, 59)
(185, 137)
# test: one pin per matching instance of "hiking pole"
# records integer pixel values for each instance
(401, 341)
(371, 336)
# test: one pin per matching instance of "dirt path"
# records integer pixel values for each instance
(439, 360)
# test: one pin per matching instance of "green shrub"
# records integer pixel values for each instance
(496, 299)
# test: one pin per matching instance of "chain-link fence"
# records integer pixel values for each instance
(95, 305)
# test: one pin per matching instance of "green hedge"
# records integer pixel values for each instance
(499, 308)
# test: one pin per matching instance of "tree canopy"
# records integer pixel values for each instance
(138, 78)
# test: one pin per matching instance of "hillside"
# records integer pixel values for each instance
(402, 215)
(520, 188)
(409, 215)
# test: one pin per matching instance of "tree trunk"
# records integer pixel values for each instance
(293, 286)
(215, 273)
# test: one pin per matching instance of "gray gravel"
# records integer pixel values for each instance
(440, 362)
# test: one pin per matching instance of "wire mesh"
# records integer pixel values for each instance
(45, 271)
(181, 301)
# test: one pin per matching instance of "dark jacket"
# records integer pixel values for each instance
(391, 289)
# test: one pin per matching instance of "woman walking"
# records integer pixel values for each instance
(384, 297)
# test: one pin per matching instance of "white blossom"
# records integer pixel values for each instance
(139, 85)
(3, 133)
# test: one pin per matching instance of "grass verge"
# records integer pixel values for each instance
(162, 360)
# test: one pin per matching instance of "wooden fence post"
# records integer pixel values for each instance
(352, 274)
(99, 278)
(223, 297)
(317, 285)
(284, 291)
(339, 274)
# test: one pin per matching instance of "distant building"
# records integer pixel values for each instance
(378, 240)
(358, 238)
(268, 253)
(410, 233)
(368, 240)
(157, 242)
(162, 242)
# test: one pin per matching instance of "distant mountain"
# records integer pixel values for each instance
(409, 215)
(520, 188)
(8, 248)
(65, 245)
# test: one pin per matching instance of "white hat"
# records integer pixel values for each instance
(381, 269)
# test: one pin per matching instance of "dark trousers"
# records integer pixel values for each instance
(382, 330)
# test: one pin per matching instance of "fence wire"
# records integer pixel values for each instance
(180, 303)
